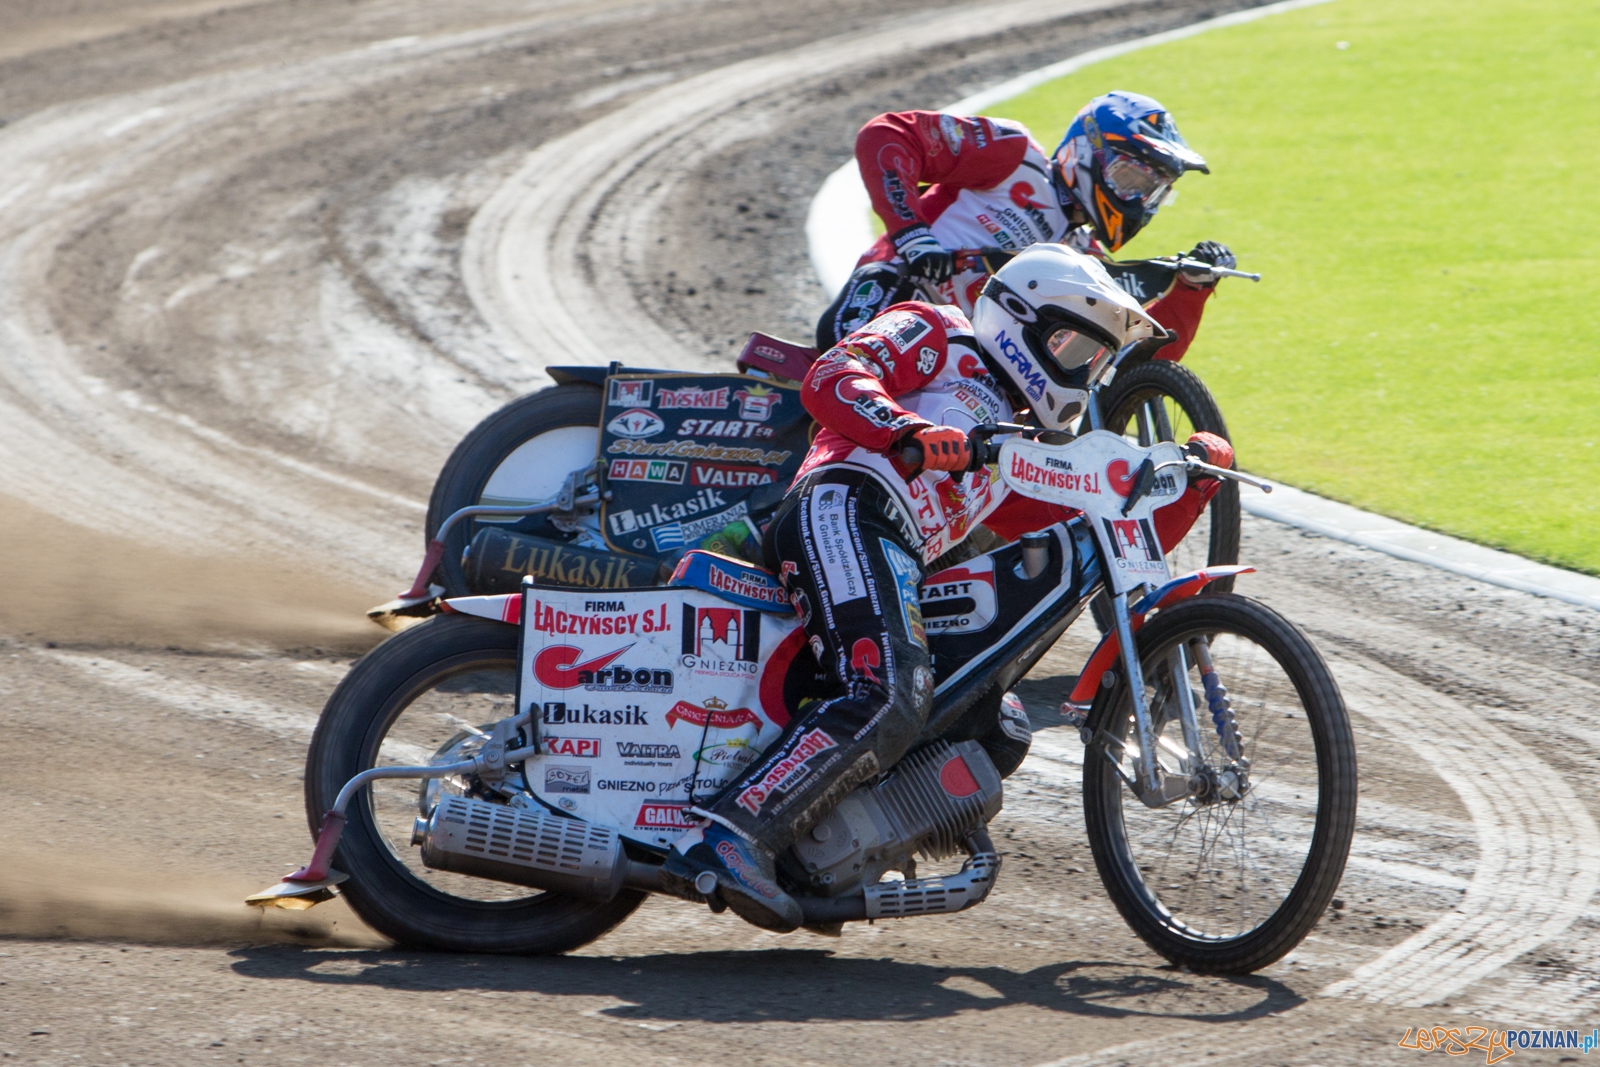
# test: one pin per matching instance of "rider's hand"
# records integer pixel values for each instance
(1213, 253)
(944, 448)
(924, 256)
(1210, 448)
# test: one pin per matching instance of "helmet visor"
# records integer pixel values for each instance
(1072, 348)
(1130, 179)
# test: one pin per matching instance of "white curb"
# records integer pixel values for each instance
(839, 229)
(1345, 523)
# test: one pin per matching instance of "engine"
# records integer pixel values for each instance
(929, 804)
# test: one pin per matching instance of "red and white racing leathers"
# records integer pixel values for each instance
(917, 365)
(983, 183)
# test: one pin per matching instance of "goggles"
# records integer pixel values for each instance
(1072, 348)
(1130, 179)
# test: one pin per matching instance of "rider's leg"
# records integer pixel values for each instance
(845, 560)
(873, 287)
(1001, 728)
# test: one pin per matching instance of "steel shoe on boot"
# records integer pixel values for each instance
(742, 874)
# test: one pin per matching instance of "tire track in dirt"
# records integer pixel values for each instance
(522, 245)
(1538, 848)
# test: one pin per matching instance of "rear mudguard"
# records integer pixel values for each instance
(502, 607)
(1105, 654)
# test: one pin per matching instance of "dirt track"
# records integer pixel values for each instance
(248, 301)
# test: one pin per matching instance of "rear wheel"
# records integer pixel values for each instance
(1233, 883)
(424, 696)
(521, 454)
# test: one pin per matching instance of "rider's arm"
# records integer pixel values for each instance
(902, 150)
(850, 389)
(1179, 310)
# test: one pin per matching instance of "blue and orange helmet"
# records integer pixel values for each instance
(1119, 159)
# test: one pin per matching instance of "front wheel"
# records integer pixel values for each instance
(423, 696)
(1230, 883)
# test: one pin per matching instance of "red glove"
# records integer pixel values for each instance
(944, 448)
(1210, 448)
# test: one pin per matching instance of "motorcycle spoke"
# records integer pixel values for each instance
(1220, 868)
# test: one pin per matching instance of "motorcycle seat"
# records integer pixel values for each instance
(785, 359)
(748, 585)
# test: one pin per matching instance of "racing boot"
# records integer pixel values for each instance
(722, 865)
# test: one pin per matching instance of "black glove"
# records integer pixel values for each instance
(924, 256)
(1217, 255)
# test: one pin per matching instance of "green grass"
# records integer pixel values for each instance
(1424, 205)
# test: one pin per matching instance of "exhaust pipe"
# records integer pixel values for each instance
(529, 847)
(938, 895)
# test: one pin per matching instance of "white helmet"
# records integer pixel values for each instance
(1051, 320)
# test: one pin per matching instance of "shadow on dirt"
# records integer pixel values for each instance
(789, 985)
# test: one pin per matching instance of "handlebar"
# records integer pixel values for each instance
(990, 260)
(985, 452)
(1185, 263)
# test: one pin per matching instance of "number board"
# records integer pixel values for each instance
(1095, 473)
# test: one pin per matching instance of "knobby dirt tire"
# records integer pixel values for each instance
(1105, 793)
(387, 896)
(464, 475)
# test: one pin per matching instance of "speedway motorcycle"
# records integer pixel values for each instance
(509, 775)
(575, 485)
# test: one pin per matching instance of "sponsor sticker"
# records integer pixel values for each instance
(628, 520)
(901, 328)
(629, 394)
(866, 658)
(663, 471)
(725, 476)
(673, 535)
(657, 816)
(723, 428)
(757, 402)
(716, 715)
(960, 599)
(693, 397)
(1133, 540)
(871, 405)
(560, 713)
(746, 584)
(581, 747)
(645, 750)
(566, 779)
(700, 450)
(562, 564)
(721, 633)
(1032, 379)
(843, 572)
(1058, 474)
(787, 772)
(556, 667)
(636, 423)
(907, 577)
(927, 359)
(734, 753)
(954, 132)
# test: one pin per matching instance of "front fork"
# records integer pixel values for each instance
(1153, 785)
